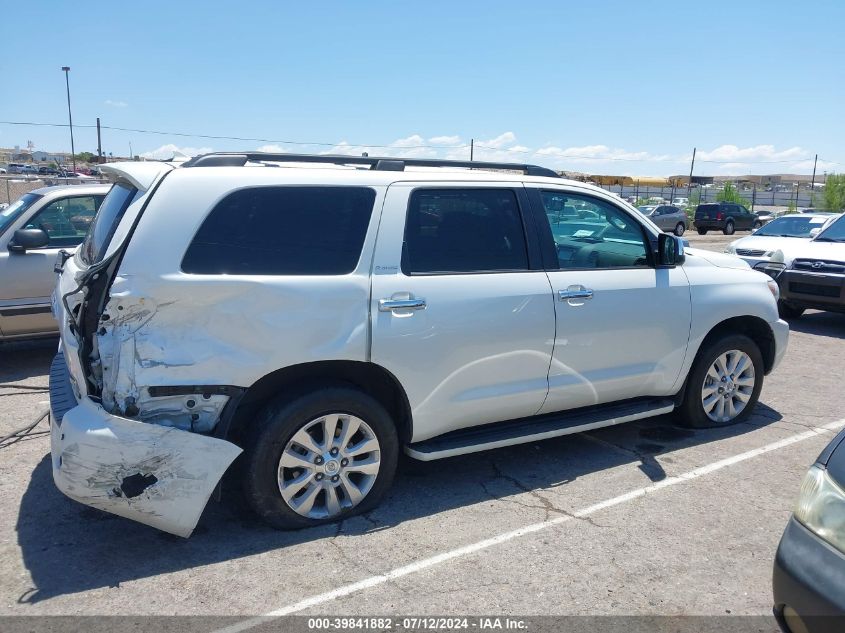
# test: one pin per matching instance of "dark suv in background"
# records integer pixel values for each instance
(727, 217)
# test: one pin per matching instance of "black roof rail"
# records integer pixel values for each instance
(239, 159)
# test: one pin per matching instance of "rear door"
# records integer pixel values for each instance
(27, 277)
(462, 312)
(622, 325)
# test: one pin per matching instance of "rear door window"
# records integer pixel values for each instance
(464, 231)
(283, 231)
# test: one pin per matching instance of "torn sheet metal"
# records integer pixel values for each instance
(156, 475)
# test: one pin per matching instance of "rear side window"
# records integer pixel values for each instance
(283, 231)
(105, 223)
(463, 231)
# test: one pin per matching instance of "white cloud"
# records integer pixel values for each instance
(761, 153)
(445, 140)
(116, 104)
(169, 150)
(594, 159)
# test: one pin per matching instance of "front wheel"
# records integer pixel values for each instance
(702, 231)
(724, 383)
(321, 457)
(757, 225)
(679, 229)
(729, 228)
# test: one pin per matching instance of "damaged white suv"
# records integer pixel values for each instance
(322, 313)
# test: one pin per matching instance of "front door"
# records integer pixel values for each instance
(462, 311)
(27, 278)
(622, 324)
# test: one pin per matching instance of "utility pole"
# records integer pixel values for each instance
(66, 69)
(130, 150)
(471, 148)
(815, 161)
(692, 165)
(99, 143)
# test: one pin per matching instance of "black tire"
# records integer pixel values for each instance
(789, 311)
(757, 225)
(691, 413)
(729, 228)
(280, 420)
(679, 229)
(702, 231)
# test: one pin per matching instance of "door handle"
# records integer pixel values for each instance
(389, 305)
(575, 292)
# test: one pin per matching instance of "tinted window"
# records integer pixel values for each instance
(283, 231)
(599, 236)
(463, 230)
(105, 223)
(66, 220)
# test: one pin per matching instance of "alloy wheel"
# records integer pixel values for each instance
(329, 465)
(728, 386)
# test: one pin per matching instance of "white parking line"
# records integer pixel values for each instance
(438, 559)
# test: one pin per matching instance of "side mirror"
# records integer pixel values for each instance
(670, 251)
(25, 239)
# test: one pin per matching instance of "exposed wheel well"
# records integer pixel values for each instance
(368, 377)
(754, 328)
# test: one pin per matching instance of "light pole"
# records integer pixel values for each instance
(70, 117)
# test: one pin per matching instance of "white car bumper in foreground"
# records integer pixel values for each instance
(780, 330)
(159, 476)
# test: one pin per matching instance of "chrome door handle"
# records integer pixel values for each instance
(581, 293)
(389, 305)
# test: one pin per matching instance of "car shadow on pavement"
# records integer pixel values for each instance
(69, 548)
(24, 359)
(829, 324)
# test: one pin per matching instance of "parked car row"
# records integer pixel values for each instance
(805, 254)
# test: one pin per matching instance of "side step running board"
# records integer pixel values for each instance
(475, 439)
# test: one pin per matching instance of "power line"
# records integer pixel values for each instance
(240, 138)
(344, 144)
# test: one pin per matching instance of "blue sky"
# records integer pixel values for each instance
(600, 87)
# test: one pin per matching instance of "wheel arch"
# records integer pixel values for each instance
(754, 328)
(370, 378)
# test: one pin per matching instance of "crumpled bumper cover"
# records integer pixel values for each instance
(156, 475)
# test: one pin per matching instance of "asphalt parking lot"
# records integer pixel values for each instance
(643, 518)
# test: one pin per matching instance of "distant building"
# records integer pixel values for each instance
(40, 156)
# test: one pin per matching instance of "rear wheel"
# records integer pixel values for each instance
(702, 231)
(321, 457)
(724, 383)
(789, 311)
(757, 225)
(679, 229)
(729, 228)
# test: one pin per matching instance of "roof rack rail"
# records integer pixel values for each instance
(383, 163)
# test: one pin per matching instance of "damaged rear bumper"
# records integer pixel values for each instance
(159, 476)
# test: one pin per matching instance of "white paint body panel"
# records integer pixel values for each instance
(628, 340)
(93, 452)
(480, 350)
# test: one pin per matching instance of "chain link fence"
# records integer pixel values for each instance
(759, 197)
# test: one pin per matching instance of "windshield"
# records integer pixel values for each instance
(792, 226)
(833, 233)
(11, 213)
(105, 223)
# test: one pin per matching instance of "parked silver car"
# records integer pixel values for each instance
(33, 230)
(666, 217)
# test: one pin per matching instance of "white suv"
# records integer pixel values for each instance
(320, 320)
